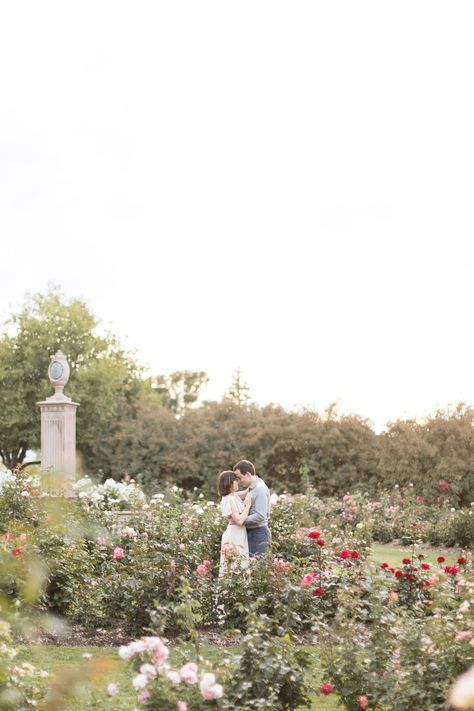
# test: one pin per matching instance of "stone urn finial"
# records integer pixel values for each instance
(58, 373)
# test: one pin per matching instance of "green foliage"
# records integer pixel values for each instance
(269, 669)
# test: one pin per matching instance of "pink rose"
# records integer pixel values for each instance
(208, 687)
(363, 702)
(181, 706)
(308, 579)
(118, 552)
(188, 673)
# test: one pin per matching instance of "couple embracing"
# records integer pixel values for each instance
(247, 513)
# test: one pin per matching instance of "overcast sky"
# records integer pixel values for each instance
(281, 186)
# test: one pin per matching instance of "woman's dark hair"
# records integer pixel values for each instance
(224, 483)
(245, 467)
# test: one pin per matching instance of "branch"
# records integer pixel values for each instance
(27, 464)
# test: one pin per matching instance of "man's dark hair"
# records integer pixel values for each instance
(224, 483)
(245, 467)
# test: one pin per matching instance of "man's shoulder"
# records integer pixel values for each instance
(262, 484)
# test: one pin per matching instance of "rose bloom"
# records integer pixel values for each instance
(201, 569)
(425, 566)
(461, 560)
(282, 566)
(461, 695)
(208, 687)
(313, 534)
(188, 673)
(16, 552)
(345, 553)
(118, 552)
(100, 541)
(173, 676)
(181, 706)
(308, 579)
(326, 688)
(441, 559)
(112, 689)
(384, 565)
(406, 561)
(398, 573)
(363, 702)
(393, 596)
(321, 542)
(140, 681)
(355, 555)
(319, 591)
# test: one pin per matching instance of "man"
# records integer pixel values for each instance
(257, 521)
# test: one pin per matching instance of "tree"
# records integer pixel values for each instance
(180, 389)
(239, 391)
(104, 378)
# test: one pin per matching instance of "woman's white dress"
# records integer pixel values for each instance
(234, 543)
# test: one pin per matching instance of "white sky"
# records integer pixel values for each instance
(284, 186)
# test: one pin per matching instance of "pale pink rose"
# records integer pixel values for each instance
(143, 696)
(202, 570)
(181, 706)
(461, 695)
(181, 547)
(188, 673)
(101, 541)
(129, 532)
(208, 687)
(228, 551)
(463, 635)
(112, 689)
(157, 649)
(173, 676)
(282, 566)
(363, 702)
(140, 681)
(148, 669)
(128, 651)
(118, 552)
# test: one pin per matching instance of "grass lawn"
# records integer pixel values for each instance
(69, 669)
(393, 555)
(87, 679)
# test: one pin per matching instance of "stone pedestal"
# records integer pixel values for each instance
(58, 432)
(58, 445)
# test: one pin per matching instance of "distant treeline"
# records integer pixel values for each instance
(294, 451)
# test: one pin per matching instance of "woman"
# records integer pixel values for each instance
(234, 544)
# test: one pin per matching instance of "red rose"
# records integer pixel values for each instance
(425, 566)
(427, 583)
(461, 560)
(355, 555)
(441, 559)
(326, 688)
(384, 565)
(406, 561)
(398, 573)
(319, 591)
(16, 552)
(321, 542)
(313, 534)
(345, 553)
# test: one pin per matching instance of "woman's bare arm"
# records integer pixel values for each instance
(237, 517)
